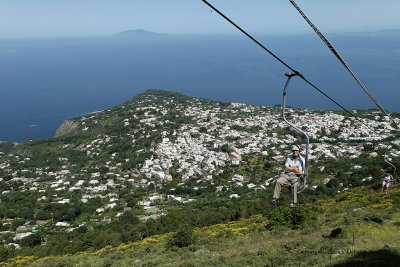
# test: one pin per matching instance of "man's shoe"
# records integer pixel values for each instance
(275, 202)
(292, 205)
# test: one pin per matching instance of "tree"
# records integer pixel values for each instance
(225, 148)
(6, 253)
(16, 223)
(31, 241)
(128, 218)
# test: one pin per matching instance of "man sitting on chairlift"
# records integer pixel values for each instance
(294, 168)
(386, 181)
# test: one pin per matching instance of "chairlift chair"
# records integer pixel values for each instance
(304, 176)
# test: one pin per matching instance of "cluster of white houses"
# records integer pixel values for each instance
(216, 136)
(195, 148)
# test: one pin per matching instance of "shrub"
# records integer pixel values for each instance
(337, 232)
(376, 217)
(294, 218)
(184, 237)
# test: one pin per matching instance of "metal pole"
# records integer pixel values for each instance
(394, 167)
(289, 75)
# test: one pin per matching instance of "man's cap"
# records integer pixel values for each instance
(295, 148)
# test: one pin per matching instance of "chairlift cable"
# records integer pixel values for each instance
(336, 53)
(284, 63)
(251, 37)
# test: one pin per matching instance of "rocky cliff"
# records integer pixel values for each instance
(66, 127)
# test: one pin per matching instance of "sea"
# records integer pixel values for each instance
(44, 81)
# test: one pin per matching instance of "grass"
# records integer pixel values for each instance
(369, 235)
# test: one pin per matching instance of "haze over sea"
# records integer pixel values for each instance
(45, 81)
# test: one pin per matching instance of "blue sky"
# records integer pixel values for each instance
(34, 18)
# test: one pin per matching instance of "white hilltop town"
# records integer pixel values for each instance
(160, 138)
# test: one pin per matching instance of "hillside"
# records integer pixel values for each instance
(352, 230)
(163, 160)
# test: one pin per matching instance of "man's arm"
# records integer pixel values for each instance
(293, 169)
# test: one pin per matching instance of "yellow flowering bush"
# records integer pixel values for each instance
(236, 228)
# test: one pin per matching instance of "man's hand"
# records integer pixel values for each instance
(295, 170)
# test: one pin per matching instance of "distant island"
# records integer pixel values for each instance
(390, 30)
(140, 33)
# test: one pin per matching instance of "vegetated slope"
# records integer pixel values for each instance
(163, 160)
(355, 228)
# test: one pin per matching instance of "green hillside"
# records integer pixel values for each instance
(356, 228)
(162, 161)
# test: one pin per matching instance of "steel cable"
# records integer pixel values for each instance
(284, 63)
(336, 53)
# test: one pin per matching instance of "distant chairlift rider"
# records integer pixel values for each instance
(386, 181)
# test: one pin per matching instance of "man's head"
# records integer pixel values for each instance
(295, 150)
